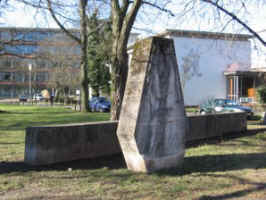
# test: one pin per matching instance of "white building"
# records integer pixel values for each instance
(214, 65)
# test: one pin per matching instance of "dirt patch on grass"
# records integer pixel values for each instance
(2, 112)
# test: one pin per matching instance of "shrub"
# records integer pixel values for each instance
(261, 91)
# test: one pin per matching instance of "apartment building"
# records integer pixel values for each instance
(29, 57)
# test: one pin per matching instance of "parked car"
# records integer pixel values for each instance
(38, 97)
(99, 104)
(23, 98)
(224, 105)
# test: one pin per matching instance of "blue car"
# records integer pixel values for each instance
(99, 104)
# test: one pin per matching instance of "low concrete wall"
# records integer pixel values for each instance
(209, 126)
(53, 144)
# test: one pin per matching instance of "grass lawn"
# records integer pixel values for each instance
(229, 169)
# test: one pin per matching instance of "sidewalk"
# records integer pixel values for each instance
(256, 127)
(13, 100)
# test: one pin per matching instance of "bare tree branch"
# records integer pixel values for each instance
(59, 23)
(125, 6)
(234, 17)
(130, 17)
(158, 7)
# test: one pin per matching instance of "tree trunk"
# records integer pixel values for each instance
(264, 119)
(84, 56)
(123, 17)
(84, 87)
(119, 77)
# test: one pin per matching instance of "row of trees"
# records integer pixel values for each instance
(121, 15)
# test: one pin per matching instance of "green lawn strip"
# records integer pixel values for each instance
(20, 117)
(191, 110)
(230, 169)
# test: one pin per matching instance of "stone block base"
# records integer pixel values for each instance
(141, 163)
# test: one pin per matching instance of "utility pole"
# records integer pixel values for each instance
(30, 69)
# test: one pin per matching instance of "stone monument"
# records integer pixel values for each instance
(152, 124)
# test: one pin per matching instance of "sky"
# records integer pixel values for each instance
(21, 16)
(150, 21)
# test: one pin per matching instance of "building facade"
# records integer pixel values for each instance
(215, 65)
(28, 58)
(33, 59)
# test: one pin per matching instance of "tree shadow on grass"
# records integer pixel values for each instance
(69, 197)
(256, 187)
(208, 164)
(217, 163)
(3, 112)
(110, 162)
(192, 164)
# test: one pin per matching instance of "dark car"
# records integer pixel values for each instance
(99, 104)
(224, 105)
(22, 98)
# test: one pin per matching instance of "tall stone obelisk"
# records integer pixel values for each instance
(152, 124)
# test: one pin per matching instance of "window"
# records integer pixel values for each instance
(5, 35)
(41, 63)
(19, 76)
(21, 49)
(41, 76)
(5, 76)
(6, 62)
